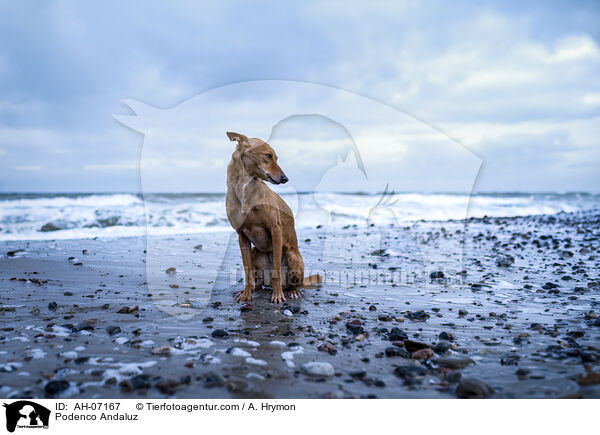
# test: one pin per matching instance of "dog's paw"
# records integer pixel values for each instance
(278, 298)
(295, 294)
(244, 296)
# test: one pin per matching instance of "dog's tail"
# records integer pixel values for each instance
(312, 280)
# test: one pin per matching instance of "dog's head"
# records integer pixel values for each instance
(259, 159)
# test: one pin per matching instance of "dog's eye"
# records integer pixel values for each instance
(269, 156)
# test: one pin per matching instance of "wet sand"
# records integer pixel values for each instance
(498, 307)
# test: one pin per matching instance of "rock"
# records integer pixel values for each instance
(219, 333)
(380, 253)
(455, 361)
(49, 227)
(423, 354)
(171, 270)
(436, 275)
(462, 312)
(359, 375)
(413, 346)
(576, 333)
(15, 252)
(355, 327)
(317, 369)
(411, 374)
(417, 316)
(53, 306)
(198, 247)
(197, 305)
(162, 350)
(397, 334)
(327, 347)
(447, 336)
(237, 386)
(53, 388)
(287, 313)
(510, 360)
(128, 310)
(590, 378)
(246, 307)
(236, 351)
(87, 325)
(470, 388)
(141, 382)
(168, 386)
(372, 308)
(549, 286)
(442, 347)
(504, 260)
(393, 351)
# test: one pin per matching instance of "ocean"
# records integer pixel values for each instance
(34, 216)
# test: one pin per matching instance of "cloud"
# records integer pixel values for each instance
(575, 48)
(119, 165)
(30, 168)
(486, 73)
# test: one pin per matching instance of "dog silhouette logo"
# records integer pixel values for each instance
(328, 140)
(26, 414)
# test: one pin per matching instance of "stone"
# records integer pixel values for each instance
(448, 336)
(423, 354)
(355, 327)
(219, 333)
(397, 334)
(436, 275)
(49, 227)
(504, 260)
(417, 316)
(327, 347)
(162, 350)
(471, 388)
(442, 347)
(455, 361)
(113, 330)
(413, 346)
(393, 351)
(318, 369)
(168, 386)
(141, 382)
(15, 253)
(590, 378)
(53, 388)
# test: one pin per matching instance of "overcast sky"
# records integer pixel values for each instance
(516, 83)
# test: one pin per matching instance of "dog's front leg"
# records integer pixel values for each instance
(246, 249)
(277, 236)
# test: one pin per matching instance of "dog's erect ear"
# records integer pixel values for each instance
(239, 138)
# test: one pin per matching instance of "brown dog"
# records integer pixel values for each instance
(261, 218)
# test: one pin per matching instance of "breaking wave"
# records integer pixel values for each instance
(72, 216)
